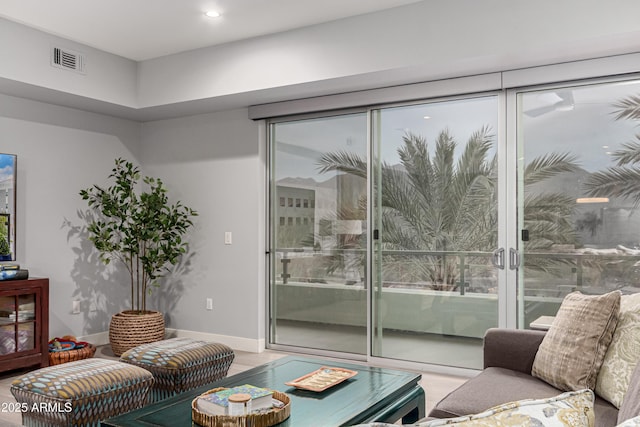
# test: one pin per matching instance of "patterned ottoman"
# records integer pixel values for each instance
(80, 393)
(180, 364)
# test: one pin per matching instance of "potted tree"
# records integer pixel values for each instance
(136, 225)
(5, 249)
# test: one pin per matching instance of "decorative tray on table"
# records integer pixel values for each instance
(322, 378)
(265, 419)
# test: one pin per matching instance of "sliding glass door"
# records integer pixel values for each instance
(423, 181)
(318, 241)
(435, 216)
(579, 221)
(406, 231)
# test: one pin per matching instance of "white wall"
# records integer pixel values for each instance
(27, 59)
(422, 41)
(214, 163)
(61, 151)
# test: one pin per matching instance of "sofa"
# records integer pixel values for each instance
(509, 355)
(583, 372)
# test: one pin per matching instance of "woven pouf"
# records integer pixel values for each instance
(80, 393)
(180, 364)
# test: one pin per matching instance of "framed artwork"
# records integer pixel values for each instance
(8, 164)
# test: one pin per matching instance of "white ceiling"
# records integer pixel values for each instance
(144, 29)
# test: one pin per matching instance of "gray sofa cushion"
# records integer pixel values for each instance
(511, 348)
(495, 386)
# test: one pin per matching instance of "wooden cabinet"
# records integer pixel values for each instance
(24, 323)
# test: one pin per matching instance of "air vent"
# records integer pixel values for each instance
(67, 59)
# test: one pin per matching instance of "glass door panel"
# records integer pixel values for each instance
(25, 317)
(17, 323)
(318, 233)
(436, 222)
(7, 324)
(578, 199)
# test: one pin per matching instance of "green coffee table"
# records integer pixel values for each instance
(375, 394)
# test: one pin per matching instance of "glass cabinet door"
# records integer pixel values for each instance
(17, 323)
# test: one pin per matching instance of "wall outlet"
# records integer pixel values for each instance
(209, 304)
(76, 307)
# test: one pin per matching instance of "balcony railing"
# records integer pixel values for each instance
(468, 269)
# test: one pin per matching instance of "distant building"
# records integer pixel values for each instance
(6, 195)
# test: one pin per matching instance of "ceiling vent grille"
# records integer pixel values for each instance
(67, 59)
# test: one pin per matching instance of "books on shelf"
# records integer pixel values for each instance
(14, 274)
(218, 403)
(22, 315)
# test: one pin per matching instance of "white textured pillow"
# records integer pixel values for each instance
(572, 409)
(633, 422)
(623, 353)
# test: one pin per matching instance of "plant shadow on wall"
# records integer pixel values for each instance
(135, 225)
(102, 290)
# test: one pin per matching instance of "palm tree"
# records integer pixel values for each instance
(622, 180)
(436, 203)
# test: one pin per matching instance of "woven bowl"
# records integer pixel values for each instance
(58, 357)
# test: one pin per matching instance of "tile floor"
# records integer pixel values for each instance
(436, 386)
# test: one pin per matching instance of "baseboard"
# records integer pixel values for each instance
(236, 343)
(101, 338)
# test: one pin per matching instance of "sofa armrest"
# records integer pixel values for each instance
(513, 349)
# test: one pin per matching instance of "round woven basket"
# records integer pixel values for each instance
(129, 329)
(267, 419)
(58, 357)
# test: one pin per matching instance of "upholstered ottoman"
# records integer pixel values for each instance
(80, 393)
(180, 364)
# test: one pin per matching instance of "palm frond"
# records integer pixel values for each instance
(549, 165)
(628, 108)
(444, 175)
(343, 161)
(476, 216)
(415, 158)
(615, 182)
(399, 193)
(629, 153)
(471, 165)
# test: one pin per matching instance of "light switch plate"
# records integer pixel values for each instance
(227, 237)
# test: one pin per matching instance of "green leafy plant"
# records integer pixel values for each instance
(5, 249)
(138, 227)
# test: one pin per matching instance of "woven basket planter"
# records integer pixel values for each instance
(129, 329)
(58, 357)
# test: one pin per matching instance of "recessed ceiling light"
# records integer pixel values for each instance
(426, 117)
(212, 14)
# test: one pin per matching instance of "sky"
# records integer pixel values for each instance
(583, 124)
(588, 129)
(7, 162)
